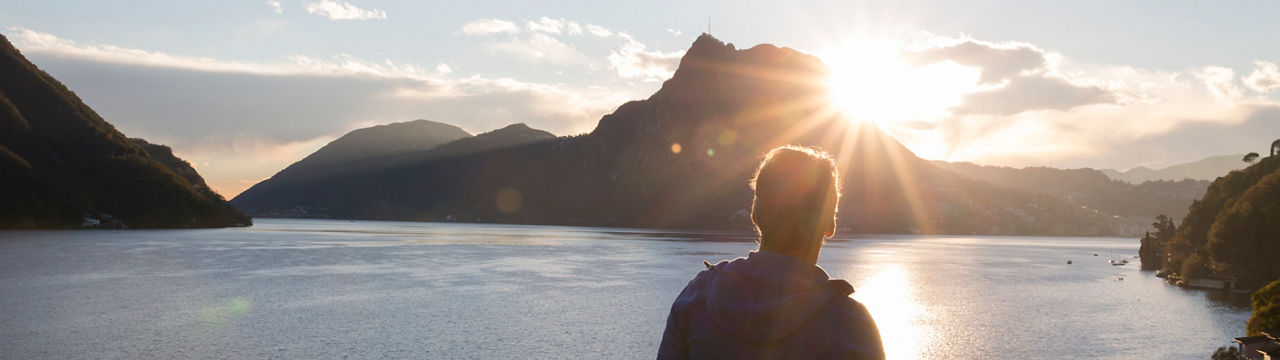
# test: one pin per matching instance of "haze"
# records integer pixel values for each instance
(242, 90)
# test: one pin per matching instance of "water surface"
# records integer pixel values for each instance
(369, 290)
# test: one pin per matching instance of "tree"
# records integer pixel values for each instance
(1195, 266)
(1251, 157)
(1266, 309)
(1164, 227)
(1150, 250)
(1226, 353)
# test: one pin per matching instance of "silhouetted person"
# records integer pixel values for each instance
(776, 302)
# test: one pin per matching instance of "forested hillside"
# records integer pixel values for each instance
(62, 165)
(1234, 229)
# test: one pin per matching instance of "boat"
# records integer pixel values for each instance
(1120, 262)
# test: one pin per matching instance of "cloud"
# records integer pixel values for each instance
(489, 26)
(675, 32)
(340, 10)
(633, 60)
(549, 40)
(276, 6)
(573, 28)
(540, 46)
(554, 26)
(998, 62)
(598, 30)
(31, 41)
(1031, 107)
(1264, 78)
(444, 69)
(1147, 105)
(1029, 93)
(35, 42)
(1221, 82)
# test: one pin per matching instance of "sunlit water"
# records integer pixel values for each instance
(331, 289)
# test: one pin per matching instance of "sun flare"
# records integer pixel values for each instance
(873, 80)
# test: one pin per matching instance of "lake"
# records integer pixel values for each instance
(369, 290)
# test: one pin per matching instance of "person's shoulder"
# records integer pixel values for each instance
(700, 281)
(851, 320)
(710, 270)
(851, 309)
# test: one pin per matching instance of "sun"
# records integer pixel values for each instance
(873, 80)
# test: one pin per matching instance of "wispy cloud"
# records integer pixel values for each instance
(489, 26)
(341, 10)
(598, 30)
(276, 6)
(1264, 78)
(546, 25)
(998, 62)
(1221, 82)
(35, 42)
(634, 60)
(542, 47)
(1031, 93)
(547, 40)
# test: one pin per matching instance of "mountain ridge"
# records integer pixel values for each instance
(1093, 188)
(681, 159)
(1207, 169)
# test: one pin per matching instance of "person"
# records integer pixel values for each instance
(776, 302)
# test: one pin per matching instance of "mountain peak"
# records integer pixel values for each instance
(516, 126)
(380, 140)
(710, 61)
(519, 130)
(708, 46)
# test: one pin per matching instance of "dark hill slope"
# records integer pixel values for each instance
(682, 158)
(1234, 229)
(293, 191)
(1092, 188)
(164, 155)
(61, 162)
(371, 147)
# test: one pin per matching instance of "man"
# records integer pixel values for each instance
(776, 302)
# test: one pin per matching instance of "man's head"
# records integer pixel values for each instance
(797, 189)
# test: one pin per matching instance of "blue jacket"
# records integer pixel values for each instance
(768, 305)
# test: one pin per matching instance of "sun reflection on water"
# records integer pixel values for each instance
(890, 297)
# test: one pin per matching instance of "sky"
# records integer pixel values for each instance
(243, 89)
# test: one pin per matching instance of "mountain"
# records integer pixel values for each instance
(355, 149)
(1093, 189)
(62, 165)
(164, 155)
(1232, 230)
(370, 150)
(1205, 169)
(682, 159)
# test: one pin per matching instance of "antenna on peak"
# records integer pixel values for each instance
(708, 25)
